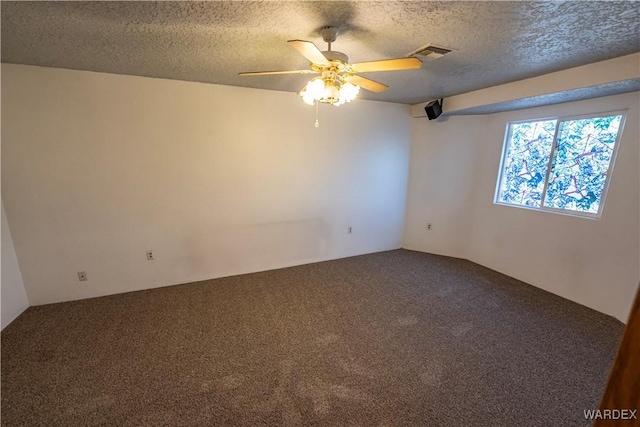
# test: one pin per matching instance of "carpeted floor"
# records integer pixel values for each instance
(389, 339)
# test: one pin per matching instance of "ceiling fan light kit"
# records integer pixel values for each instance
(338, 82)
(330, 89)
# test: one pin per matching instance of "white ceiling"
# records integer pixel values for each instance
(495, 42)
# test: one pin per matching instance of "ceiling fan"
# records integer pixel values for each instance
(339, 81)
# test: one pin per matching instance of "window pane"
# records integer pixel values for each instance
(525, 162)
(581, 163)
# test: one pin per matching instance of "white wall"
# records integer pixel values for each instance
(593, 262)
(217, 180)
(442, 171)
(13, 295)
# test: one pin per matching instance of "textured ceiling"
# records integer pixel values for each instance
(606, 89)
(495, 42)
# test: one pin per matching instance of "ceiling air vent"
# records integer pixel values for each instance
(430, 52)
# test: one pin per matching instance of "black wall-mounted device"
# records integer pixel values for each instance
(433, 109)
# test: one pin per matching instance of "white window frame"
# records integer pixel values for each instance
(560, 119)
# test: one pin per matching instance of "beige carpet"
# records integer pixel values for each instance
(389, 339)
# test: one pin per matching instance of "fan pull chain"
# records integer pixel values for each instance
(317, 123)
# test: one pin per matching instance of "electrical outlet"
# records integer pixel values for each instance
(429, 227)
(349, 230)
(150, 255)
(82, 276)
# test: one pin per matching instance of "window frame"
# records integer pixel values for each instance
(554, 145)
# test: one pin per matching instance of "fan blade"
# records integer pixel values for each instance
(387, 65)
(310, 51)
(367, 84)
(266, 73)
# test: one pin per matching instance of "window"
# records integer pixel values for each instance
(560, 165)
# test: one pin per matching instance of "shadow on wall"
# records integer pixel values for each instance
(258, 246)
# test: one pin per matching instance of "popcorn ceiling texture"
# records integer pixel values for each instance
(607, 89)
(495, 42)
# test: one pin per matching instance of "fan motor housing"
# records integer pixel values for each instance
(333, 55)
